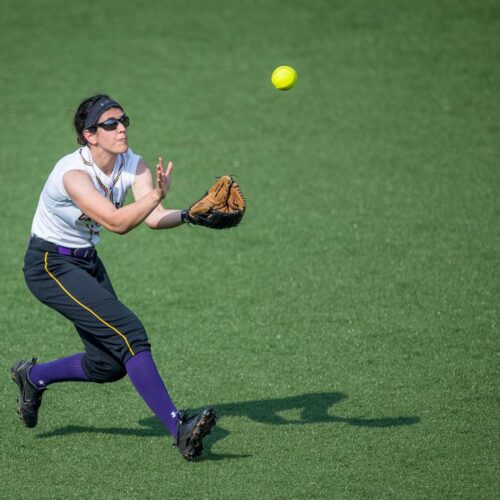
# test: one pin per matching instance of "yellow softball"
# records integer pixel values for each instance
(284, 77)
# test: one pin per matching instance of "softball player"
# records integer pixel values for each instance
(84, 193)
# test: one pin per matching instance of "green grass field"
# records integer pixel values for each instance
(348, 331)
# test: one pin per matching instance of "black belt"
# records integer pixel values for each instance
(83, 253)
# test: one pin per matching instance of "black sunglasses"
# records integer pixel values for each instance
(112, 123)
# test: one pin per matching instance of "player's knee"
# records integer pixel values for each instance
(112, 375)
(103, 371)
(133, 340)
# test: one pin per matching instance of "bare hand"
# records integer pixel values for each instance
(163, 177)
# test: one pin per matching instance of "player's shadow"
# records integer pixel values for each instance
(298, 410)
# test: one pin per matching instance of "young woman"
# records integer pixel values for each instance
(84, 193)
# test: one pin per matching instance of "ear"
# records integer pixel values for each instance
(90, 137)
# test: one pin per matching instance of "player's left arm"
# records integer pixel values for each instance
(160, 217)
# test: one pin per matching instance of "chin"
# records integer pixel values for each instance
(122, 147)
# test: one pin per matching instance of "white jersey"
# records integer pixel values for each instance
(58, 220)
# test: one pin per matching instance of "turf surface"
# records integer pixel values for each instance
(347, 333)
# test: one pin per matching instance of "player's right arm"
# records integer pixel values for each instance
(82, 191)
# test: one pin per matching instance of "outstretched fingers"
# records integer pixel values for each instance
(170, 167)
(163, 176)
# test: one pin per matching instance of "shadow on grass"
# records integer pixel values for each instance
(306, 408)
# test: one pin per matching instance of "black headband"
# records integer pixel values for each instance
(98, 108)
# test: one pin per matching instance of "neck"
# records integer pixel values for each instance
(104, 160)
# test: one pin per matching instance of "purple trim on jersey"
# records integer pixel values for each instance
(64, 250)
(84, 253)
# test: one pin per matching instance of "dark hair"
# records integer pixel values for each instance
(81, 115)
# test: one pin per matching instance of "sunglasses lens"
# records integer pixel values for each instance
(112, 123)
(109, 124)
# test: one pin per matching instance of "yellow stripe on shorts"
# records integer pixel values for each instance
(84, 306)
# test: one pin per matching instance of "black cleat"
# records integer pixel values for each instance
(191, 429)
(30, 397)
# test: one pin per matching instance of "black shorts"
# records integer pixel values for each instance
(79, 288)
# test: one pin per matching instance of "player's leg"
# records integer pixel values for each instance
(101, 366)
(111, 333)
(67, 369)
(188, 431)
(140, 367)
(143, 373)
(80, 290)
(105, 361)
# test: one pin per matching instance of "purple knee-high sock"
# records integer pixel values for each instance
(61, 370)
(144, 375)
